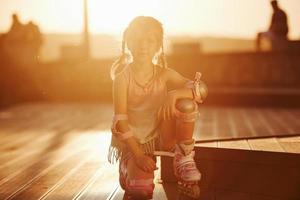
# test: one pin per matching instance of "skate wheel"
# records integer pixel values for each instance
(190, 190)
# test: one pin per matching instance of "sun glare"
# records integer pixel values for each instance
(229, 18)
(112, 16)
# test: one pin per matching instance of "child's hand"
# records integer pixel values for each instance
(145, 163)
(167, 111)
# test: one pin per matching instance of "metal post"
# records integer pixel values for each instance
(86, 37)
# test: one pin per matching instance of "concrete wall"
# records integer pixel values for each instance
(233, 79)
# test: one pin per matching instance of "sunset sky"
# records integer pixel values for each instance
(229, 18)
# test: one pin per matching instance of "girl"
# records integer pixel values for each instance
(155, 108)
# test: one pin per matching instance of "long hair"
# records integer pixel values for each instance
(138, 23)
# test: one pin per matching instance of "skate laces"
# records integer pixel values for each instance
(185, 167)
(182, 160)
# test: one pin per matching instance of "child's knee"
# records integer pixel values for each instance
(138, 184)
(187, 110)
(185, 105)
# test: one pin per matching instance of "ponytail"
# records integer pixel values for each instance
(162, 58)
(121, 62)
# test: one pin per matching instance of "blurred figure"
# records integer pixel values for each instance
(22, 43)
(278, 29)
(15, 34)
(33, 39)
(13, 38)
(16, 24)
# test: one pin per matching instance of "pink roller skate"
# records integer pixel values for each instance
(185, 170)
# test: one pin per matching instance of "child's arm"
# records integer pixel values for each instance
(120, 107)
(182, 88)
(176, 81)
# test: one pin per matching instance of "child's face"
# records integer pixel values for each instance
(143, 46)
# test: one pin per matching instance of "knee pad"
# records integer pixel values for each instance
(141, 189)
(187, 110)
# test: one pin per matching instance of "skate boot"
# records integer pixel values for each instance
(186, 172)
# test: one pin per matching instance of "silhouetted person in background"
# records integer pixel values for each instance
(16, 24)
(278, 29)
(22, 42)
(33, 39)
(16, 31)
(13, 39)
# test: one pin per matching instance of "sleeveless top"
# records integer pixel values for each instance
(143, 104)
(142, 109)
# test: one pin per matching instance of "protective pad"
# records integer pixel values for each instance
(183, 111)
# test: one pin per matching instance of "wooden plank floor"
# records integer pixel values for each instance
(58, 151)
(227, 123)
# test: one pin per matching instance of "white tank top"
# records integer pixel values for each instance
(143, 104)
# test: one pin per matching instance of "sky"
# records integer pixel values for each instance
(226, 18)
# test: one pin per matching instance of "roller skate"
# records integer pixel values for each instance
(186, 172)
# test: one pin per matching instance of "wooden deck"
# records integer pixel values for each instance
(58, 151)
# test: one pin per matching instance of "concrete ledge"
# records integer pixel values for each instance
(256, 173)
